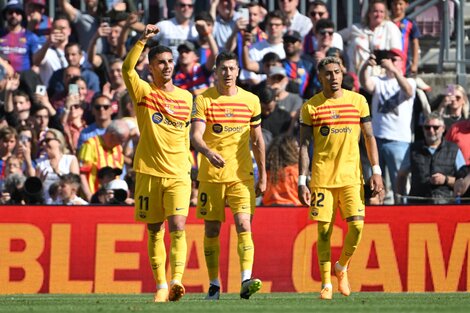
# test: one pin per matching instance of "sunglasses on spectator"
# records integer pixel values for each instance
(47, 140)
(428, 127)
(187, 5)
(102, 106)
(75, 106)
(324, 32)
(314, 13)
(458, 98)
(17, 12)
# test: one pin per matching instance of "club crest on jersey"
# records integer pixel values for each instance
(169, 108)
(334, 115)
(324, 131)
(217, 128)
(229, 112)
(157, 117)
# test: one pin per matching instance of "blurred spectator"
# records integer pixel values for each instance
(38, 22)
(27, 149)
(433, 164)
(86, 24)
(104, 176)
(318, 10)
(69, 186)
(273, 119)
(392, 110)
(295, 20)
(117, 192)
(75, 58)
(178, 29)
(42, 121)
(285, 100)
(102, 112)
(77, 94)
(225, 16)
(17, 103)
(56, 162)
(410, 34)
(115, 88)
(376, 33)
(459, 133)
(101, 61)
(12, 165)
(189, 73)
(299, 67)
(462, 184)
(8, 140)
(17, 44)
(275, 24)
(100, 151)
(12, 192)
(73, 115)
(235, 41)
(51, 56)
(283, 172)
(454, 106)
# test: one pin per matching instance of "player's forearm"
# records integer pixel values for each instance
(372, 152)
(303, 161)
(259, 151)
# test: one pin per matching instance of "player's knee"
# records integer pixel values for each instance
(212, 229)
(356, 227)
(323, 231)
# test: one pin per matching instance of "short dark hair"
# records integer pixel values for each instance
(265, 94)
(317, 3)
(277, 14)
(225, 56)
(204, 16)
(21, 93)
(158, 50)
(324, 23)
(271, 57)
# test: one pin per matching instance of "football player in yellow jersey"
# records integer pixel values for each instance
(161, 161)
(333, 120)
(224, 120)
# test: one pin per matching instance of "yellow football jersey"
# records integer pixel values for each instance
(336, 133)
(163, 119)
(228, 120)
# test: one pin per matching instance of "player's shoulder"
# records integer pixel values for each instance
(316, 100)
(183, 93)
(354, 96)
(245, 93)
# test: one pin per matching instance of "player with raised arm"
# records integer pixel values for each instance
(224, 120)
(161, 161)
(333, 120)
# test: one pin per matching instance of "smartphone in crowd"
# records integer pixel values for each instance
(73, 89)
(41, 89)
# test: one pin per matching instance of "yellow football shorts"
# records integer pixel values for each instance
(325, 201)
(156, 198)
(240, 197)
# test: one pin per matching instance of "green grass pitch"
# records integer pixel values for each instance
(273, 302)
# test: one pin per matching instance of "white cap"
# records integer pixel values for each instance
(117, 184)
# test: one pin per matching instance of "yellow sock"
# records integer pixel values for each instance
(178, 251)
(211, 253)
(351, 241)
(324, 251)
(157, 255)
(246, 252)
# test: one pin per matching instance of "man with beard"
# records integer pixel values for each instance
(225, 119)
(17, 44)
(433, 164)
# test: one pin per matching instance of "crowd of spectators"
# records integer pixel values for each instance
(67, 124)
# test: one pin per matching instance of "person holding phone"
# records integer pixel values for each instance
(392, 110)
(454, 106)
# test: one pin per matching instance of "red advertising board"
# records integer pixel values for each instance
(100, 249)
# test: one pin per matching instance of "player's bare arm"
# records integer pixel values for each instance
(259, 151)
(376, 183)
(197, 131)
(304, 160)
